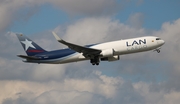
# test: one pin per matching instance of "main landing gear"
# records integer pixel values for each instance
(95, 61)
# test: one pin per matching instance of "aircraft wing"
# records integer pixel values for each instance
(87, 52)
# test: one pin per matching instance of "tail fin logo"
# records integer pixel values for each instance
(27, 44)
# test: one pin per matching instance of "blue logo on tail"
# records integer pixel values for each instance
(29, 46)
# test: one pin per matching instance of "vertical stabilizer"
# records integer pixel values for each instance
(30, 47)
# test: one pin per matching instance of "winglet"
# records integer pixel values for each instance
(57, 37)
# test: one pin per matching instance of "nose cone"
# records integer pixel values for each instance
(161, 42)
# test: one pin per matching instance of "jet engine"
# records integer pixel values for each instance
(107, 53)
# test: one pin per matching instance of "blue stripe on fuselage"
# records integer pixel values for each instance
(55, 54)
(58, 53)
(90, 45)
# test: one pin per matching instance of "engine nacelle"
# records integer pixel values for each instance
(107, 53)
(113, 58)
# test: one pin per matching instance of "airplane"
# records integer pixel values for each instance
(108, 51)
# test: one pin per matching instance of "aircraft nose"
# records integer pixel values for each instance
(162, 42)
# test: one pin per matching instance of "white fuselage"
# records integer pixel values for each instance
(120, 47)
(108, 51)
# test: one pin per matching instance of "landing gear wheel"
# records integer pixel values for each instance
(95, 61)
(158, 51)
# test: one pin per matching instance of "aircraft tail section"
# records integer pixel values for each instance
(30, 47)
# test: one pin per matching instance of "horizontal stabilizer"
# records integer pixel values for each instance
(28, 57)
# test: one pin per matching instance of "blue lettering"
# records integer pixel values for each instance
(140, 41)
(135, 43)
(127, 44)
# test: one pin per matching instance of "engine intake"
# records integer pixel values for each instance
(107, 53)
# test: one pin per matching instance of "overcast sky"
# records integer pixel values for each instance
(142, 78)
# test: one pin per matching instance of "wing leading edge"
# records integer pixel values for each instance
(87, 52)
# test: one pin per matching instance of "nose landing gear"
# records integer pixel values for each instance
(157, 50)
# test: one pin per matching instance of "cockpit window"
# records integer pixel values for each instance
(158, 38)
